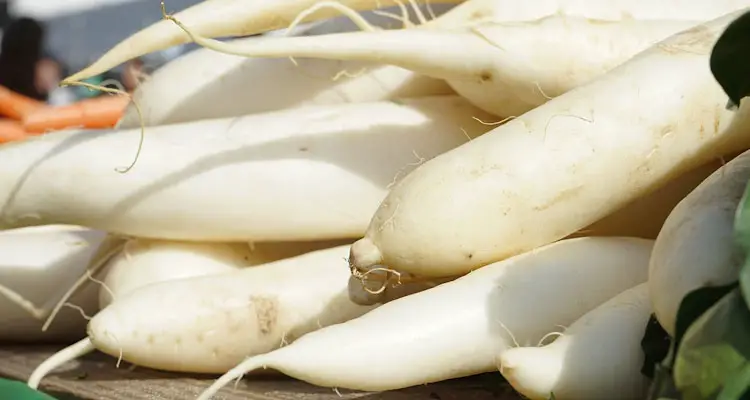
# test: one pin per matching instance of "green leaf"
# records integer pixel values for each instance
(15, 390)
(714, 351)
(692, 306)
(729, 62)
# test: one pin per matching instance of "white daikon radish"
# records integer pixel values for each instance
(450, 331)
(597, 357)
(696, 248)
(561, 166)
(37, 265)
(312, 173)
(207, 84)
(505, 68)
(143, 261)
(208, 324)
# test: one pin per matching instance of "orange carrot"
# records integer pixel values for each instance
(11, 130)
(97, 113)
(17, 106)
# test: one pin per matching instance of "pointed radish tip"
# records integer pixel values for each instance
(530, 370)
(82, 347)
(364, 254)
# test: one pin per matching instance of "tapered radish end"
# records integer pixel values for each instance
(532, 371)
(364, 254)
(104, 329)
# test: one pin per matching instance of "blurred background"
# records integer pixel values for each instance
(45, 40)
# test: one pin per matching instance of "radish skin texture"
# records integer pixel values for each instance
(220, 19)
(645, 216)
(527, 295)
(597, 357)
(209, 324)
(144, 261)
(504, 68)
(695, 248)
(313, 173)
(39, 263)
(206, 84)
(594, 153)
(479, 11)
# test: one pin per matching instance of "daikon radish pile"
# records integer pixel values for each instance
(208, 324)
(455, 329)
(36, 266)
(597, 357)
(305, 174)
(504, 68)
(225, 18)
(206, 84)
(561, 166)
(695, 248)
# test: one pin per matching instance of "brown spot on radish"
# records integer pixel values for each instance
(560, 197)
(303, 149)
(266, 313)
(717, 119)
(470, 256)
(485, 76)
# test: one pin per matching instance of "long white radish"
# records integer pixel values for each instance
(209, 324)
(311, 173)
(695, 248)
(597, 357)
(504, 68)
(142, 261)
(241, 17)
(561, 166)
(36, 266)
(645, 216)
(457, 328)
(221, 19)
(207, 84)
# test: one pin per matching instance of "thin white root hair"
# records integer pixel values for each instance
(96, 267)
(512, 337)
(502, 121)
(539, 87)
(541, 341)
(428, 5)
(137, 110)
(549, 121)
(79, 309)
(338, 393)
(420, 161)
(354, 16)
(347, 74)
(58, 359)
(101, 283)
(22, 302)
(250, 364)
(404, 18)
(418, 11)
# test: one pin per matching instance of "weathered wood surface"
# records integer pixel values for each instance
(95, 377)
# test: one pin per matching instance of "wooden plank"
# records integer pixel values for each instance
(95, 377)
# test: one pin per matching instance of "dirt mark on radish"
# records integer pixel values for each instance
(266, 313)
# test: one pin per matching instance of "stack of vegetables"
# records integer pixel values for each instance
(401, 196)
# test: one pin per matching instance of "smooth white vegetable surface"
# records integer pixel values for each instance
(696, 248)
(504, 68)
(211, 323)
(457, 328)
(207, 84)
(38, 264)
(597, 357)
(311, 173)
(221, 19)
(561, 166)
